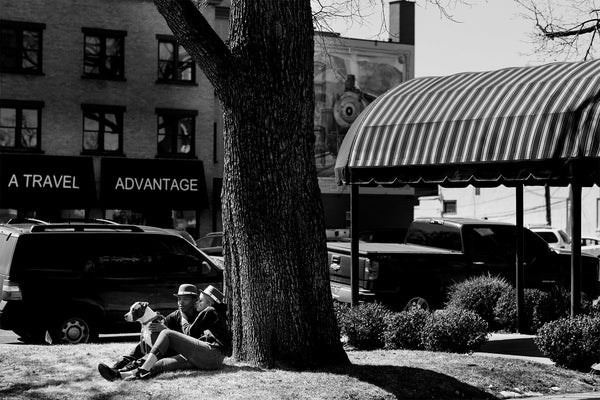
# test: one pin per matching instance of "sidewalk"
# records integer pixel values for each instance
(516, 345)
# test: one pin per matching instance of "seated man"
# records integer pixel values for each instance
(202, 342)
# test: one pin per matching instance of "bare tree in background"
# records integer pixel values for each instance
(565, 29)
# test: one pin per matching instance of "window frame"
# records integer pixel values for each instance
(21, 27)
(119, 112)
(19, 106)
(175, 80)
(161, 112)
(103, 35)
(448, 205)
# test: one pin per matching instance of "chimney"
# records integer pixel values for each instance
(402, 22)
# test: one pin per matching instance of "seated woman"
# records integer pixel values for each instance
(204, 343)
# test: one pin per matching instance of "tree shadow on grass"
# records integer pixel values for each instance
(413, 383)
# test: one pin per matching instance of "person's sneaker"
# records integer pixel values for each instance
(108, 373)
(140, 374)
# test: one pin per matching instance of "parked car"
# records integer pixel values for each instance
(211, 243)
(590, 245)
(438, 252)
(555, 237)
(77, 280)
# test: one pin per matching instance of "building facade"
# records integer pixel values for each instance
(540, 206)
(104, 115)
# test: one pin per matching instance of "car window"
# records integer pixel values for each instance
(210, 241)
(51, 254)
(123, 256)
(178, 257)
(549, 237)
(434, 235)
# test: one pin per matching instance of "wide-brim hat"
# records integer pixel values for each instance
(213, 293)
(187, 289)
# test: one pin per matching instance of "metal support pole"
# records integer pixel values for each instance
(354, 233)
(575, 246)
(519, 274)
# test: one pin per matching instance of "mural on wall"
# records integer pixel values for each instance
(345, 83)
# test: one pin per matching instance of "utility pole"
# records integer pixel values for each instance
(548, 209)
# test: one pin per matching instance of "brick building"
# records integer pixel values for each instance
(102, 114)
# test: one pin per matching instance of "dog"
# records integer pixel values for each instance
(141, 312)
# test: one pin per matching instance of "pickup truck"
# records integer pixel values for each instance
(439, 252)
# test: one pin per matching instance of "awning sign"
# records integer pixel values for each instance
(40, 182)
(140, 183)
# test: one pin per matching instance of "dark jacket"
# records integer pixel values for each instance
(210, 326)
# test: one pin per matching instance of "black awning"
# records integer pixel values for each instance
(148, 183)
(39, 182)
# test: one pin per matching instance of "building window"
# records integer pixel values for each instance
(20, 125)
(174, 63)
(104, 53)
(176, 132)
(102, 129)
(449, 206)
(21, 47)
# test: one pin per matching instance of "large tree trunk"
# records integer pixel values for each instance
(277, 281)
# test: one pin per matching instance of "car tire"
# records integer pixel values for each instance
(416, 302)
(74, 329)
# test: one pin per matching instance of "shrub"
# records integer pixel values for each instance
(404, 329)
(478, 294)
(540, 307)
(364, 325)
(454, 330)
(571, 342)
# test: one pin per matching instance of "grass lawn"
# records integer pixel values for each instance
(69, 372)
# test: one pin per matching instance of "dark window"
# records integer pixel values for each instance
(103, 54)
(179, 260)
(176, 132)
(130, 257)
(549, 237)
(174, 63)
(449, 206)
(21, 47)
(434, 235)
(102, 128)
(20, 125)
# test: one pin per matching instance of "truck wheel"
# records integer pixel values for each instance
(73, 330)
(416, 302)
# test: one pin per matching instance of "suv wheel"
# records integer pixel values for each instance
(74, 330)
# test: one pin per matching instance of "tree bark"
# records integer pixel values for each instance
(276, 280)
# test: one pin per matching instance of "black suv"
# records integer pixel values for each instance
(74, 281)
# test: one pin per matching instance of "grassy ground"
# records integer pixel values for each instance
(68, 372)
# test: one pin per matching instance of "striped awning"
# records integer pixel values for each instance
(530, 125)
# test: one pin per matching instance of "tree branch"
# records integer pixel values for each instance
(578, 30)
(200, 40)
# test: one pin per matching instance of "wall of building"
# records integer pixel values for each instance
(499, 204)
